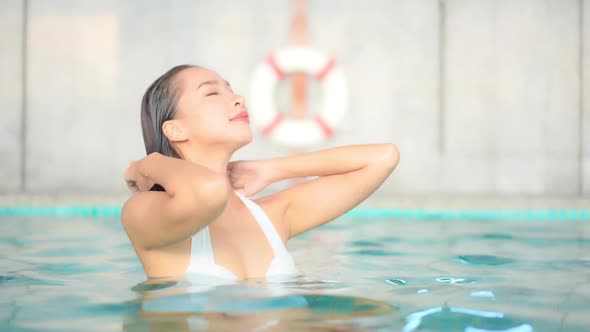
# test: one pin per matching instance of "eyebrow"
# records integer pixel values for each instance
(213, 82)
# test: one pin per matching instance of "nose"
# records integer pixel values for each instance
(240, 102)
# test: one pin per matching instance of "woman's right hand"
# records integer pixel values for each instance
(135, 181)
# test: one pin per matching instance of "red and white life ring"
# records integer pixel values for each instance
(278, 125)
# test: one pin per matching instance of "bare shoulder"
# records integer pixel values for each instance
(157, 261)
(135, 211)
(130, 213)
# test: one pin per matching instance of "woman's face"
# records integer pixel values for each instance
(210, 110)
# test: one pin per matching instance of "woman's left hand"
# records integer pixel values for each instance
(250, 176)
(135, 181)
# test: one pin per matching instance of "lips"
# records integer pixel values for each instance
(242, 116)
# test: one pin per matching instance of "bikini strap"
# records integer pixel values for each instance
(201, 248)
(265, 224)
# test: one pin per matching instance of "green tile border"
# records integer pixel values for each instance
(540, 215)
(358, 213)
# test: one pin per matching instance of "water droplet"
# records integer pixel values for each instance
(422, 291)
(396, 282)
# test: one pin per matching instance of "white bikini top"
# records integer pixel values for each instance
(202, 259)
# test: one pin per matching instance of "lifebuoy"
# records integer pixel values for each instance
(313, 128)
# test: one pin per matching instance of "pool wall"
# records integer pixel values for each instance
(482, 97)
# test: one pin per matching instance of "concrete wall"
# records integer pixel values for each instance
(584, 143)
(73, 91)
(512, 102)
(11, 97)
(481, 96)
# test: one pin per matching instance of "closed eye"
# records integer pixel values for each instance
(212, 94)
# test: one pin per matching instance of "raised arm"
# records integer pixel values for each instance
(194, 197)
(347, 175)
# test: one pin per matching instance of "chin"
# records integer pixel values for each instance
(244, 139)
(247, 139)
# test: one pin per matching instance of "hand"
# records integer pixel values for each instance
(250, 177)
(135, 181)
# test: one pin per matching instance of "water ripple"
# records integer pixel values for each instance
(366, 244)
(396, 282)
(375, 252)
(452, 280)
(6, 280)
(485, 260)
(463, 319)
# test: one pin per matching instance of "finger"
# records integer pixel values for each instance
(236, 183)
(237, 187)
(130, 173)
(133, 188)
(248, 191)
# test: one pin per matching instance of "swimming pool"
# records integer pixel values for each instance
(361, 273)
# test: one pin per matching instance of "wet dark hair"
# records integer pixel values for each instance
(158, 105)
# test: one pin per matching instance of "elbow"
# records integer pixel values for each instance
(389, 157)
(200, 203)
(213, 192)
(202, 199)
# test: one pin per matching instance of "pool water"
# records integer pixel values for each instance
(73, 274)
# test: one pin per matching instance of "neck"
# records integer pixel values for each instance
(215, 159)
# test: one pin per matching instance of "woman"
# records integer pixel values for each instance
(190, 213)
